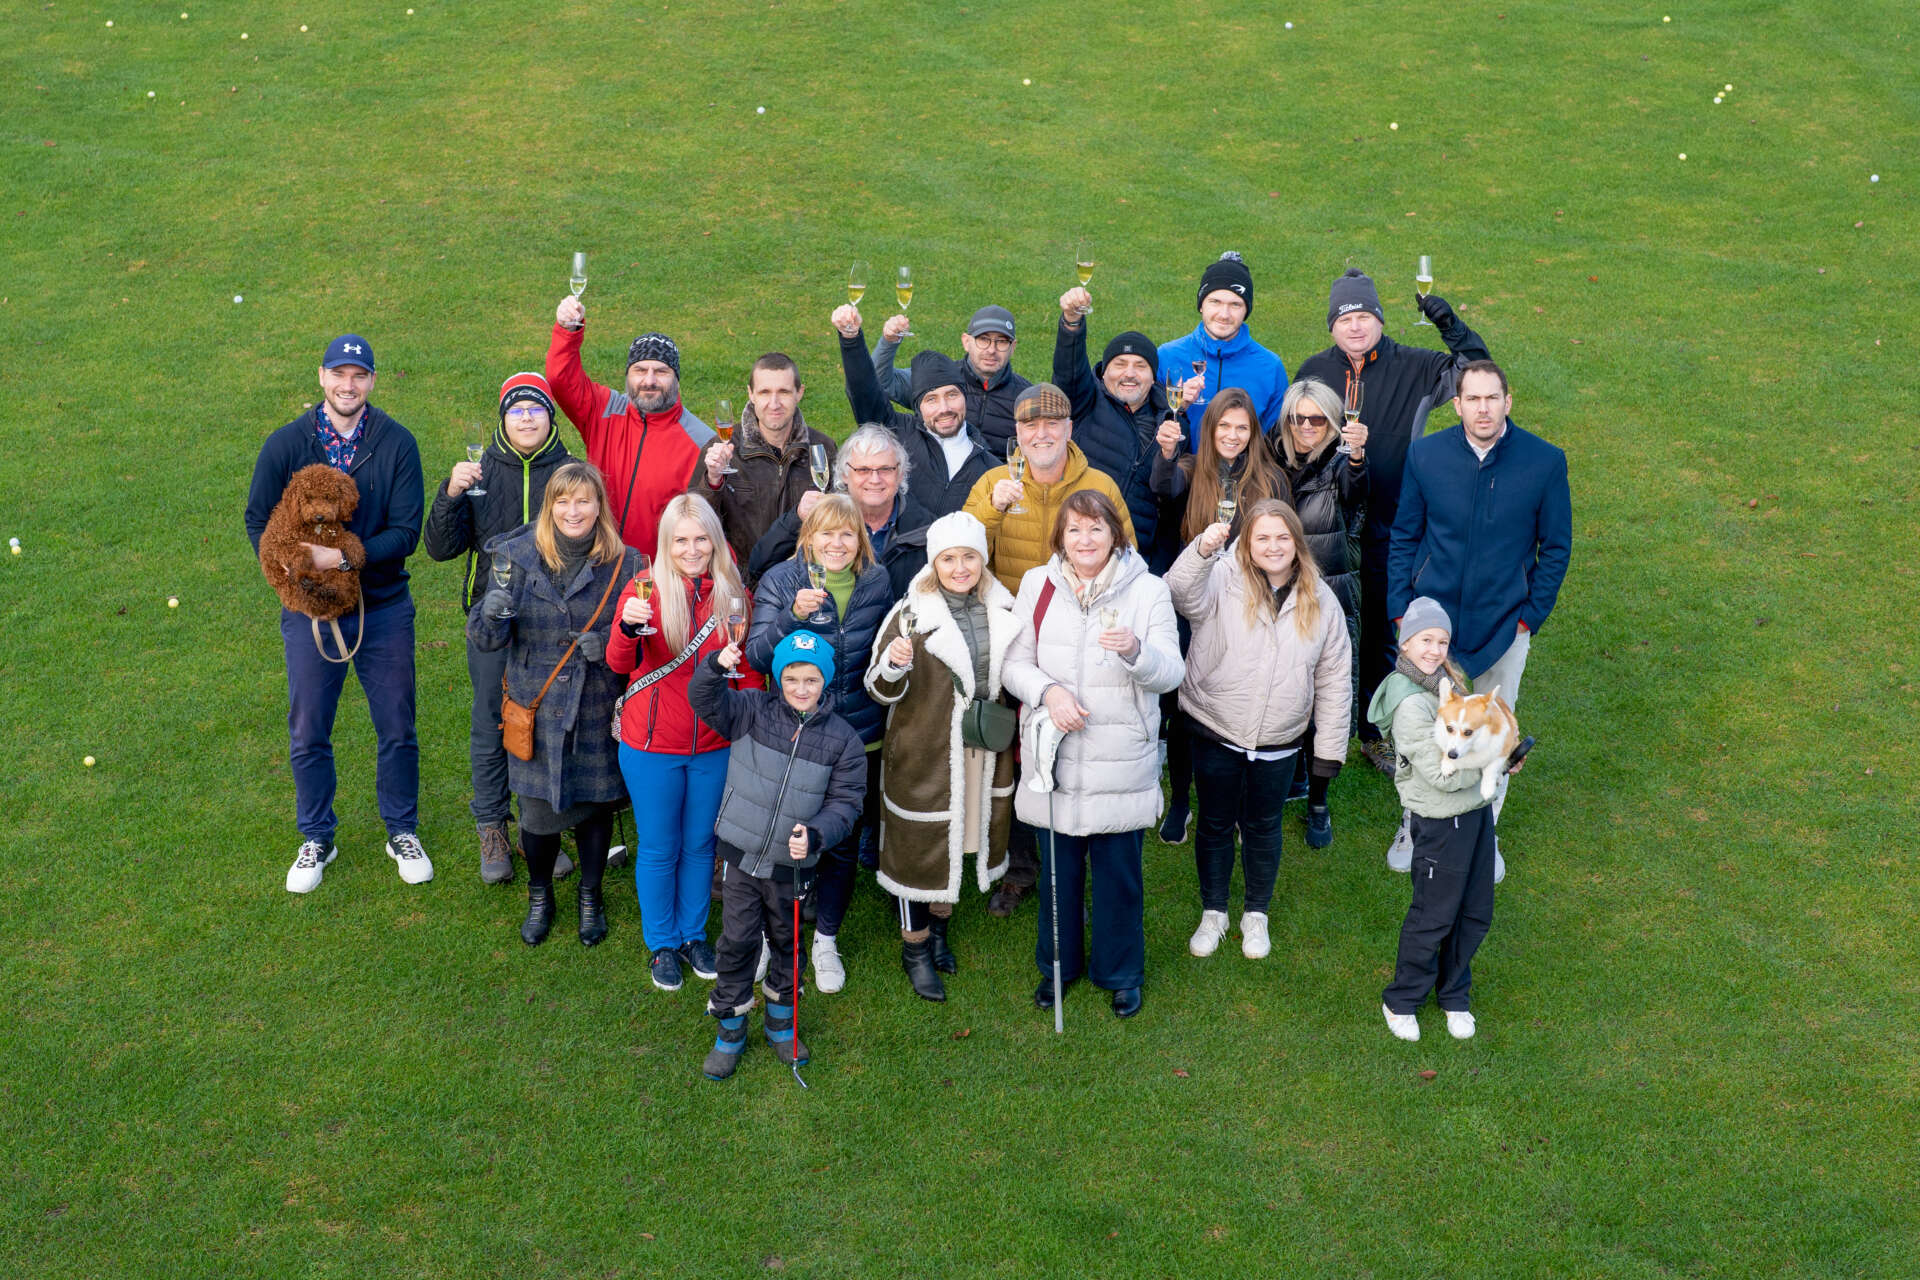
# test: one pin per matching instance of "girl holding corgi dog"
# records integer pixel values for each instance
(1452, 826)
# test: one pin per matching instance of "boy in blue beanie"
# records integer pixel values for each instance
(796, 780)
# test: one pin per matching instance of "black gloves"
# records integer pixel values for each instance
(1435, 308)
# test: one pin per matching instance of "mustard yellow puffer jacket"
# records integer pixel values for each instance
(1018, 541)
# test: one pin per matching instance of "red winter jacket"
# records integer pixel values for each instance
(614, 432)
(659, 718)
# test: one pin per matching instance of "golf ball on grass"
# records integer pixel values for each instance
(173, 602)
(87, 761)
(1874, 178)
(238, 298)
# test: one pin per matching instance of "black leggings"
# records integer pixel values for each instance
(915, 917)
(591, 839)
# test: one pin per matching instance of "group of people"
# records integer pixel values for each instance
(971, 657)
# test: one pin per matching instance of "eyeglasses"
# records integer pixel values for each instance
(869, 473)
(526, 411)
(1307, 420)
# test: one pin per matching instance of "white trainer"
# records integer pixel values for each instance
(410, 857)
(766, 958)
(1206, 939)
(1400, 852)
(1403, 1025)
(1459, 1024)
(1253, 935)
(828, 973)
(308, 865)
(1499, 863)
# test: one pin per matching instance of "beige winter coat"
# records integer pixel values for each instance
(1259, 685)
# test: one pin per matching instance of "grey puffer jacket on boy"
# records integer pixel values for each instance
(782, 770)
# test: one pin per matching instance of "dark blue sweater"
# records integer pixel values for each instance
(386, 470)
(1489, 540)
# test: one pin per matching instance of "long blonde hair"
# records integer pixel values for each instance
(1306, 575)
(1261, 478)
(1322, 397)
(670, 585)
(835, 511)
(569, 480)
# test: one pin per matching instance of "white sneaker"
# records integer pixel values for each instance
(1400, 852)
(410, 858)
(1499, 864)
(1253, 935)
(1459, 1024)
(1206, 939)
(304, 875)
(766, 958)
(1403, 1025)
(828, 972)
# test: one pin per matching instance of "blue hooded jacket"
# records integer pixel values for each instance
(1237, 362)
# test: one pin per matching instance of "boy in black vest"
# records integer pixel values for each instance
(796, 779)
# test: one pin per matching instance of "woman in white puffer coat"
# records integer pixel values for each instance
(1096, 648)
(1270, 663)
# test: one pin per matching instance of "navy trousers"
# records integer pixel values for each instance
(384, 664)
(1119, 953)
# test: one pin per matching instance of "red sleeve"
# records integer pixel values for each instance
(623, 650)
(583, 400)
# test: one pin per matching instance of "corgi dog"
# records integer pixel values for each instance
(1475, 731)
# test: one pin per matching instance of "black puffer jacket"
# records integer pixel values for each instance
(1329, 495)
(941, 491)
(851, 636)
(514, 487)
(904, 555)
(1116, 439)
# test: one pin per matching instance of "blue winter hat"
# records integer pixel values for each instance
(807, 647)
(348, 348)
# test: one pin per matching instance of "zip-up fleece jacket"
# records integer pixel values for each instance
(1238, 362)
(386, 471)
(782, 770)
(1489, 540)
(648, 459)
(658, 718)
(514, 486)
(767, 482)
(1405, 713)
(989, 400)
(940, 490)
(1400, 386)
(1116, 439)
(1018, 540)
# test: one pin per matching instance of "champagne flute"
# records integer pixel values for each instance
(817, 579)
(1174, 408)
(503, 578)
(903, 293)
(821, 465)
(1351, 409)
(906, 631)
(1109, 619)
(1423, 284)
(737, 633)
(856, 283)
(1224, 509)
(643, 587)
(723, 427)
(578, 280)
(1017, 472)
(476, 452)
(1083, 269)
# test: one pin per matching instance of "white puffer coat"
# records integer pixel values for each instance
(1258, 685)
(1108, 773)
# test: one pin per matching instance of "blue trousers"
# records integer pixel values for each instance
(1119, 958)
(676, 799)
(385, 667)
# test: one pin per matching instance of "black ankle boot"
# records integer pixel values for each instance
(539, 921)
(593, 920)
(943, 958)
(917, 959)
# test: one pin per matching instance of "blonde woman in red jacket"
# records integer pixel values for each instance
(674, 763)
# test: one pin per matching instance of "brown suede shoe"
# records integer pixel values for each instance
(496, 855)
(1006, 899)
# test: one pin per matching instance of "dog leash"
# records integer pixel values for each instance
(339, 640)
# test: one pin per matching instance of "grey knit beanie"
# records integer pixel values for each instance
(1424, 614)
(1353, 291)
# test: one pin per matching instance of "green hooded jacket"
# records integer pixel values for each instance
(1405, 712)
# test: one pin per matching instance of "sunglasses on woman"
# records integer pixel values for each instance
(1306, 420)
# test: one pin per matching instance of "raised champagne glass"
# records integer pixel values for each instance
(1016, 472)
(1350, 411)
(1224, 509)
(503, 578)
(856, 283)
(476, 453)
(903, 293)
(1109, 619)
(723, 427)
(1083, 269)
(643, 587)
(821, 467)
(578, 280)
(1423, 285)
(737, 634)
(817, 579)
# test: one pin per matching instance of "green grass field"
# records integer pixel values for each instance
(1698, 1004)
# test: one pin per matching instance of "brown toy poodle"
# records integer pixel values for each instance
(318, 502)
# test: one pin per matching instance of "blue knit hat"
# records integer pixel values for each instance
(803, 646)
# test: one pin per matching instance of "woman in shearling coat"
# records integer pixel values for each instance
(1096, 647)
(943, 646)
(1269, 661)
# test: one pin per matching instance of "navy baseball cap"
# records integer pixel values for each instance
(348, 348)
(991, 320)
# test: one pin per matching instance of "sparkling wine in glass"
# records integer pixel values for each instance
(817, 579)
(1017, 472)
(1350, 411)
(723, 427)
(1109, 619)
(856, 283)
(1423, 284)
(821, 466)
(906, 632)
(1083, 261)
(737, 633)
(476, 451)
(1224, 509)
(903, 292)
(643, 587)
(578, 280)
(1174, 408)
(503, 578)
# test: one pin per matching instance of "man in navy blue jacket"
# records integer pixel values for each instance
(346, 432)
(1485, 527)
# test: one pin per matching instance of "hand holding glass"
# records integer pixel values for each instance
(723, 427)
(1016, 472)
(1423, 284)
(643, 587)
(476, 453)
(737, 636)
(503, 578)
(1109, 619)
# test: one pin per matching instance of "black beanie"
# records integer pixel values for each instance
(930, 371)
(1229, 273)
(1131, 343)
(654, 346)
(1353, 291)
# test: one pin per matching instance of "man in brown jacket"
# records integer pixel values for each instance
(769, 456)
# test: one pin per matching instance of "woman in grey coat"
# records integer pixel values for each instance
(551, 606)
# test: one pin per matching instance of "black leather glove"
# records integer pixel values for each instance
(1435, 308)
(496, 604)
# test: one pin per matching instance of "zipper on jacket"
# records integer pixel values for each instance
(781, 794)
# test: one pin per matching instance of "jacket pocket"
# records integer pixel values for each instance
(1421, 571)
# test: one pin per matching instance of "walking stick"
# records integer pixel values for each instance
(1053, 911)
(793, 1049)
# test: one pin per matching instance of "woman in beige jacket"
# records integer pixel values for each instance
(1270, 654)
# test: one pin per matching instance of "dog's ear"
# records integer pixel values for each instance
(1446, 689)
(1493, 695)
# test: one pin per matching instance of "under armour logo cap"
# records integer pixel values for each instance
(348, 349)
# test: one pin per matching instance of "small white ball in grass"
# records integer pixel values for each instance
(1683, 155)
(303, 26)
(237, 298)
(1026, 80)
(759, 111)
(243, 35)
(183, 17)
(1666, 18)
(1716, 99)
(1729, 88)
(173, 602)
(149, 93)
(109, 21)
(1289, 26)
(87, 761)
(1874, 178)
(1394, 124)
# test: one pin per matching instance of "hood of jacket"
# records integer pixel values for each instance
(1392, 691)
